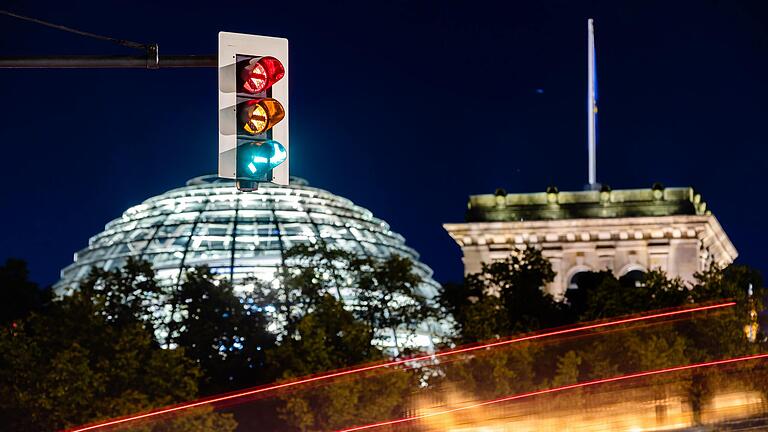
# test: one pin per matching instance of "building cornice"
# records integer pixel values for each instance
(704, 228)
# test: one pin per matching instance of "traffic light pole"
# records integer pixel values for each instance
(106, 62)
(150, 60)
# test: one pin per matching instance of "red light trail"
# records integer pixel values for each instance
(339, 373)
(559, 389)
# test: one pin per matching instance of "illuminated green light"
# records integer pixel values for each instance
(257, 159)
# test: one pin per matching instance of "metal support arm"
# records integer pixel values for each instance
(99, 61)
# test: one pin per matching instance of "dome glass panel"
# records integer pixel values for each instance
(239, 235)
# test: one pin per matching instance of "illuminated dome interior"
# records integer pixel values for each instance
(238, 235)
(243, 235)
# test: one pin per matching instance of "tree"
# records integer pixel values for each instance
(328, 308)
(199, 419)
(326, 338)
(224, 332)
(602, 295)
(496, 372)
(484, 319)
(387, 296)
(383, 293)
(127, 294)
(93, 354)
(745, 286)
(311, 272)
(505, 297)
(330, 265)
(73, 364)
(18, 295)
(567, 371)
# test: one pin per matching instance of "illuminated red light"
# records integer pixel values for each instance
(261, 74)
(370, 367)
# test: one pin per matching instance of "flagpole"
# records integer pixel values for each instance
(591, 105)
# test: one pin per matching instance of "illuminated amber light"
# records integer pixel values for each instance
(261, 115)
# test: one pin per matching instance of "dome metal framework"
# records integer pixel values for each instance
(238, 235)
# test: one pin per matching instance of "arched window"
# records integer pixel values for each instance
(633, 278)
(576, 279)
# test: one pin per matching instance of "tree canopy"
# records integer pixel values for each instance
(82, 358)
(327, 338)
(332, 306)
(382, 293)
(122, 343)
(509, 297)
(505, 297)
(223, 331)
(18, 295)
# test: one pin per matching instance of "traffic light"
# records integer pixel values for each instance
(253, 109)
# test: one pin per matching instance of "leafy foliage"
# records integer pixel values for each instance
(18, 295)
(496, 373)
(385, 291)
(126, 295)
(73, 364)
(201, 419)
(97, 352)
(602, 295)
(100, 343)
(93, 355)
(567, 371)
(387, 296)
(507, 297)
(225, 333)
(329, 307)
(327, 338)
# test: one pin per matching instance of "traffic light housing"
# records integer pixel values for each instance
(253, 109)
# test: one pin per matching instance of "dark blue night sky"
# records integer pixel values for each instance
(404, 107)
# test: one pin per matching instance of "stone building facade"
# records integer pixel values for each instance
(623, 231)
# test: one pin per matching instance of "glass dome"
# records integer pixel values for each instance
(238, 235)
(242, 235)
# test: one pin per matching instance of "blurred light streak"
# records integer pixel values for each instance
(559, 389)
(370, 367)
